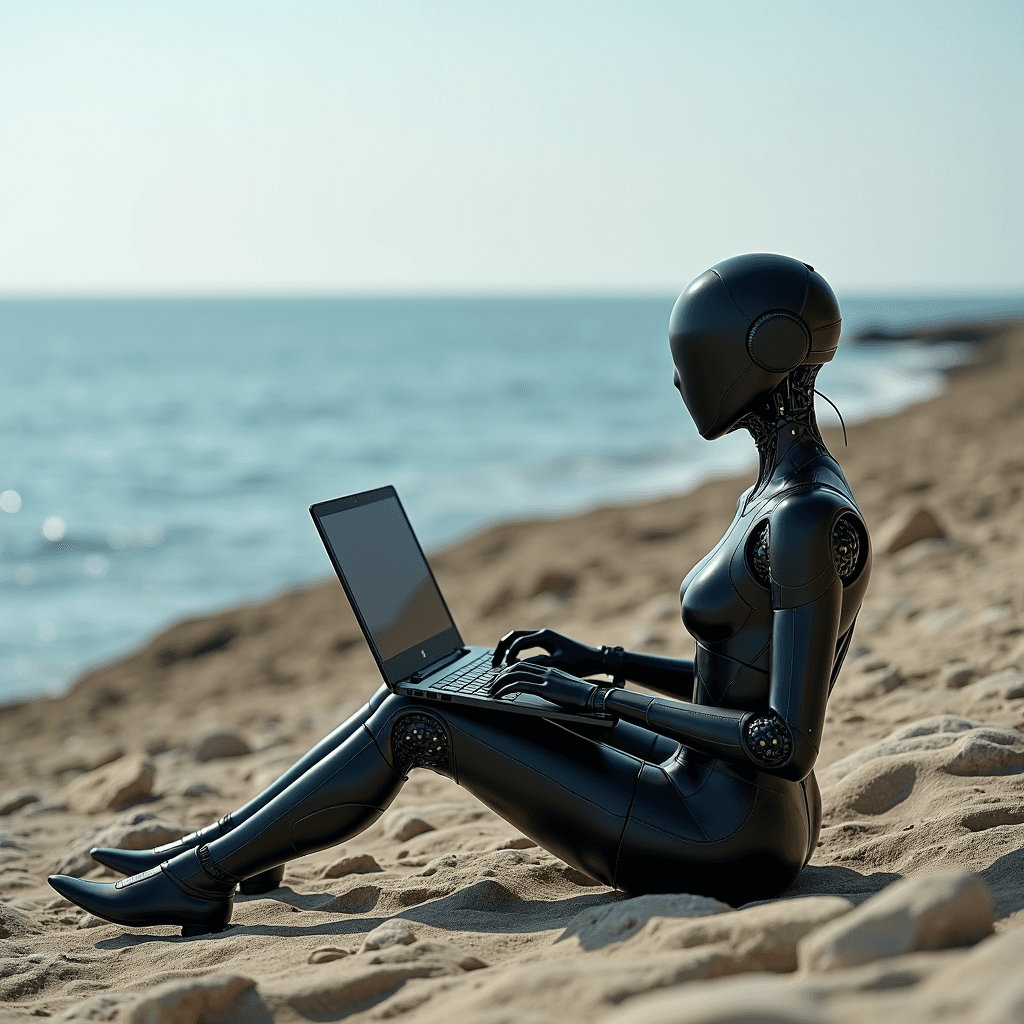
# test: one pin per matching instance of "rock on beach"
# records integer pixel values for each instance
(14, 801)
(218, 742)
(935, 911)
(114, 787)
(354, 864)
(905, 529)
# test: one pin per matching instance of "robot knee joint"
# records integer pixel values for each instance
(419, 740)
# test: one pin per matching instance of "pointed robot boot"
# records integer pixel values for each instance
(181, 891)
(133, 862)
(336, 799)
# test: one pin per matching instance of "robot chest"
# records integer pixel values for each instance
(726, 598)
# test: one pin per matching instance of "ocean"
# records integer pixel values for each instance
(157, 456)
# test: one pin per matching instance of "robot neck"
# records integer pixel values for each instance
(785, 422)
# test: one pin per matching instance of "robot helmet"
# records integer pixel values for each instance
(741, 327)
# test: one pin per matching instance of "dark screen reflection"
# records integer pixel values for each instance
(387, 575)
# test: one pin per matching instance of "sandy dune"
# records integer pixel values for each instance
(441, 912)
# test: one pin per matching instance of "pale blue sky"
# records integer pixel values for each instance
(285, 147)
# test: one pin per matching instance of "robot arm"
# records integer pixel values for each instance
(807, 596)
(671, 676)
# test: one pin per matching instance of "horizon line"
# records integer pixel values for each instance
(464, 295)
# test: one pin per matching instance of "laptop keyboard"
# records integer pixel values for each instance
(474, 678)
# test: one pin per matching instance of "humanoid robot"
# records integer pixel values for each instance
(708, 789)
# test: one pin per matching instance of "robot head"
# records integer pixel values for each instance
(741, 327)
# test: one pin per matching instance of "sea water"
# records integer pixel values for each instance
(157, 457)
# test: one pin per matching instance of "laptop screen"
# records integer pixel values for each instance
(388, 581)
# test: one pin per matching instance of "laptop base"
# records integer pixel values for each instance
(445, 687)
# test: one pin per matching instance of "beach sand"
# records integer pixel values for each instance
(922, 773)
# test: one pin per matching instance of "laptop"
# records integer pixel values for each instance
(402, 613)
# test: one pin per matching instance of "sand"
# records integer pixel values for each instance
(441, 911)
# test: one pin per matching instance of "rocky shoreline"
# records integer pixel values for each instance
(912, 907)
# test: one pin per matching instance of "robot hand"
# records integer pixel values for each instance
(563, 652)
(552, 684)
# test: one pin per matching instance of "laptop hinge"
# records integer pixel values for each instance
(435, 666)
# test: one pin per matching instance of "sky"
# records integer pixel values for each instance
(301, 147)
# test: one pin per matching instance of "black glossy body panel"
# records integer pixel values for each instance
(588, 795)
(776, 647)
